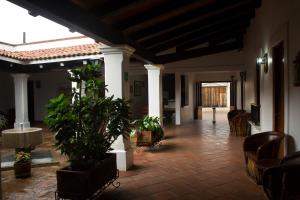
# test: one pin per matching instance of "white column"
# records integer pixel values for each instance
(21, 98)
(116, 60)
(177, 98)
(228, 95)
(155, 98)
(74, 85)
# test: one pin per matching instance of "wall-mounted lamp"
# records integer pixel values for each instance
(62, 64)
(84, 62)
(263, 62)
(41, 66)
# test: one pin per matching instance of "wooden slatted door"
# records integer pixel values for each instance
(214, 96)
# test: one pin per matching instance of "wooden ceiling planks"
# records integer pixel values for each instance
(153, 26)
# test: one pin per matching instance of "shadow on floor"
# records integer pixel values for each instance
(162, 148)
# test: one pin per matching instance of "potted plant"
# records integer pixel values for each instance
(147, 131)
(85, 127)
(22, 165)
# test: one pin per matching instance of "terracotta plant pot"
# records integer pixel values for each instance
(81, 185)
(22, 169)
(144, 138)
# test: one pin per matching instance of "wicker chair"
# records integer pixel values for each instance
(231, 116)
(261, 152)
(281, 182)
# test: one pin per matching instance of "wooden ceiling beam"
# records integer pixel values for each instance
(214, 38)
(108, 7)
(165, 9)
(131, 10)
(208, 14)
(198, 35)
(196, 30)
(200, 52)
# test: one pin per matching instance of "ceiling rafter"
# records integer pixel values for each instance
(164, 11)
(196, 29)
(200, 25)
(200, 52)
(212, 12)
(108, 7)
(202, 35)
(217, 37)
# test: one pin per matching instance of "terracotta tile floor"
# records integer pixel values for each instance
(196, 161)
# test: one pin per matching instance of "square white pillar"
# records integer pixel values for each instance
(155, 98)
(21, 100)
(116, 60)
(177, 98)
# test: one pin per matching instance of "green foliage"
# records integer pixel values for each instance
(87, 127)
(22, 157)
(149, 124)
(3, 121)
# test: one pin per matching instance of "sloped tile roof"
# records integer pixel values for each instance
(60, 52)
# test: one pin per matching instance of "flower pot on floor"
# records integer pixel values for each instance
(144, 138)
(22, 169)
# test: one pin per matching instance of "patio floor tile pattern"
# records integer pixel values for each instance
(196, 161)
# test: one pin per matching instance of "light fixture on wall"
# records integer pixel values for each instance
(263, 62)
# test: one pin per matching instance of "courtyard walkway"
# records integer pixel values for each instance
(196, 161)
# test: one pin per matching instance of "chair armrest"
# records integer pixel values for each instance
(291, 156)
(252, 143)
(268, 150)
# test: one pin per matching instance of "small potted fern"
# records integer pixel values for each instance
(22, 165)
(147, 131)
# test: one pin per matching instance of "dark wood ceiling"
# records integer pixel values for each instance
(161, 31)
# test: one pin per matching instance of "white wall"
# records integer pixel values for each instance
(52, 83)
(187, 112)
(276, 20)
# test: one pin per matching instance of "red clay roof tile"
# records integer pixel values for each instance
(60, 52)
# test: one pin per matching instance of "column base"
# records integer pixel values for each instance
(17, 125)
(124, 159)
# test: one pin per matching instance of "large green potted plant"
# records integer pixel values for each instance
(147, 131)
(85, 127)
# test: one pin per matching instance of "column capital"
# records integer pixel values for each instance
(108, 50)
(20, 75)
(154, 67)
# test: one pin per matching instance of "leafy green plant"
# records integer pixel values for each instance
(3, 121)
(22, 157)
(149, 124)
(87, 125)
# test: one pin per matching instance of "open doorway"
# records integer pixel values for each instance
(211, 95)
